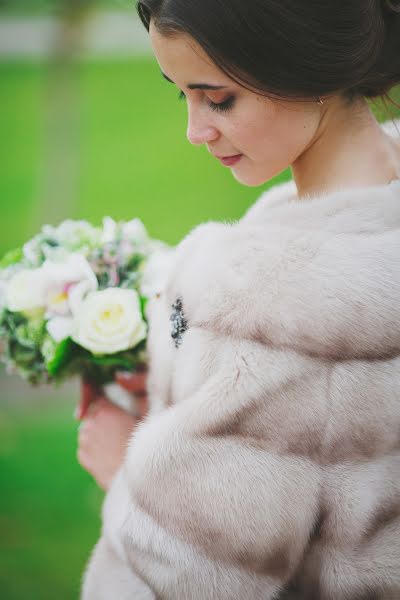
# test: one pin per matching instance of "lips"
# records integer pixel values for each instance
(228, 161)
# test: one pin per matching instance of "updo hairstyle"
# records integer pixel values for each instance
(292, 49)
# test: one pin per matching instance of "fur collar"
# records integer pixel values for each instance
(321, 277)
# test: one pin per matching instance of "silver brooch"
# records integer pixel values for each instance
(179, 323)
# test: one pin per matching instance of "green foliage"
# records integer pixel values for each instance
(49, 506)
(143, 304)
(31, 352)
(102, 368)
(130, 272)
(57, 355)
(11, 258)
(22, 340)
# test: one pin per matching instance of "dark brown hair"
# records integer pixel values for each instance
(292, 49)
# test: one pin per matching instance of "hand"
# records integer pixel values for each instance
(103, 439)
(105, 429)
(136, 383)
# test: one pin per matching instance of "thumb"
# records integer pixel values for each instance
(135, 383)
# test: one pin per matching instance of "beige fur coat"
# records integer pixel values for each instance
(269, 466)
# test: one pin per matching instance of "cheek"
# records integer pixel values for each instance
(272, 142)
(283, 136)
(254, 130)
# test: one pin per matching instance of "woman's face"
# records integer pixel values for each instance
(269, 135)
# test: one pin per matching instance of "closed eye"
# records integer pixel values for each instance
(221, 106)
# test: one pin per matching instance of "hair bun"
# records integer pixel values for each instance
(386, 72)
(392, 6)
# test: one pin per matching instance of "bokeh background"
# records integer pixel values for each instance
(87, 128)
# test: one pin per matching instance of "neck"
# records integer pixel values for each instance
(349, 149)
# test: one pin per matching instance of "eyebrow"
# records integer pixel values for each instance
(198, 86)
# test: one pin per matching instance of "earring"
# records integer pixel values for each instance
(320, 101)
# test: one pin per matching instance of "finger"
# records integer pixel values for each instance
(84, 460)
(135, 383)
(132, 382)
(83, 429)
(89, 393)
(98, 407)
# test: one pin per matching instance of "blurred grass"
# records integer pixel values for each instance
(133, 155)
(49, 506)
(54, 7)
(133, 160)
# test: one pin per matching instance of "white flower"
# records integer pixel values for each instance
(26, 291)
(74, 234)
(3, 296)
(32, 251)
(60, 328)
(109, 321)
(132, 231)
(156, 271)
(135, 231)
(109, 232)
(5, 276)
(67, 282)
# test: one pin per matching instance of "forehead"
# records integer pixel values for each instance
(183, 60)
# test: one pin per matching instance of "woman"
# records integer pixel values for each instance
(268, 465)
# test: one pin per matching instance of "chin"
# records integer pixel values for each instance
(250, 179)
(258, 175)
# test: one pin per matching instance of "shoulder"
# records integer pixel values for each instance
(284, 194)
(304, 274)
(269, 200)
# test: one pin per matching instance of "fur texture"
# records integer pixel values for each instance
(269, 466)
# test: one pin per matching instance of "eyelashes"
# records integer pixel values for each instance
(221, 107)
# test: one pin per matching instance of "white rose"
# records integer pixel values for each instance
(26, 291)
(109, 321)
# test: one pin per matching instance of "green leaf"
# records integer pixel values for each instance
(143, 304)
(11, 258)
(22, 336)
(115, 361)
(56, 355)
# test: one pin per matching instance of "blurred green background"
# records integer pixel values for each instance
(83, 136)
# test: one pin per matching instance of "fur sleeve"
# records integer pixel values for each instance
(227, 496)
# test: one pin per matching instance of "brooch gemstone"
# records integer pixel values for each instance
(179, 323)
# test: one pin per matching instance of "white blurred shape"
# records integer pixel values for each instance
(106, 33)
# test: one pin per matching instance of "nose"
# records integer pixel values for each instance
(199, 129)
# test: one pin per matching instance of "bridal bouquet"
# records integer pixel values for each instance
(72, 300)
